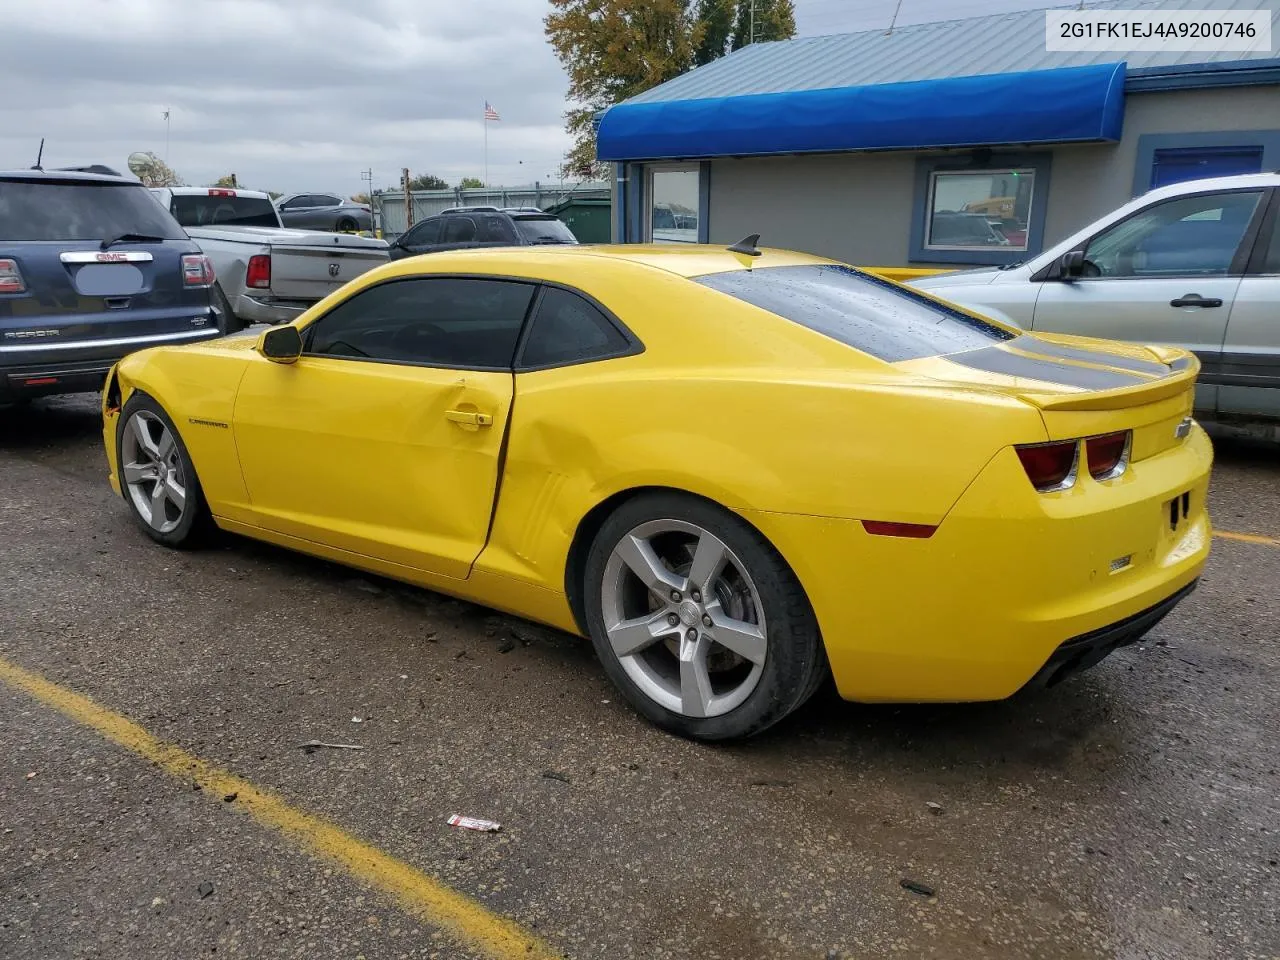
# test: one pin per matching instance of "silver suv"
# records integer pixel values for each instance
(1195, 264)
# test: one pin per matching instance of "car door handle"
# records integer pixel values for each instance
(1195, 300)
(469, 418)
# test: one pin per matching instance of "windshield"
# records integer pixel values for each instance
(206, 211)
(543, 230)
(54, 210)
(858, 309)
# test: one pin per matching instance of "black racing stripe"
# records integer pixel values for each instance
(996, 360)
(1047, 349)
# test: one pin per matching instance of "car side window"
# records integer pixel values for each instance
(294, 204)
(325, 200)
(428, 231)
(1271, 262)
(493, 228)
(468, 323)
(568, 328)
(1187, 236)
(459, 230)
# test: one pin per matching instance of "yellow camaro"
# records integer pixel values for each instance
(735, 470)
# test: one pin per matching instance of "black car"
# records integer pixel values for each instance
(462, 228)
(91, 269)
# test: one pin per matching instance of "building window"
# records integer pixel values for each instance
(989, 210)
(672, 204)
(1165, 158)
(978, 211)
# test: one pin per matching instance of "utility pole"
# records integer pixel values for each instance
(408, 199)
(894, 21)
(374, 212)
(751, 37)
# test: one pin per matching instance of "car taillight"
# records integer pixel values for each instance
(221, 192)
(197, 270)
(1108, 455)
(11, 278)
(1050, 466)
(258, 273)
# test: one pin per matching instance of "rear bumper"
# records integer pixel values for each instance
(76, 367)
(1081, 653)
(268, 309)
(1009, 579)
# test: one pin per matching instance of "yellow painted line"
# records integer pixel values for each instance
(1247, 538)
(466, 921)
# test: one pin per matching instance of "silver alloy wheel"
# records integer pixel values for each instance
(684, 618)
(152, 471)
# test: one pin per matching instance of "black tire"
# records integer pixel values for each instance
(228, 322)
(194, 523)
(347, 225)
(795, 662)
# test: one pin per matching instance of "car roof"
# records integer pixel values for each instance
(64, 176)
(1242, 180)
(685, 260)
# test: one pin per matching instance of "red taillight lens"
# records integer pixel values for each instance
(887, 528)
(11, 277)
(221, 192)
(1108, 455)
(197, 270)
(258, 273)
(1049, 466)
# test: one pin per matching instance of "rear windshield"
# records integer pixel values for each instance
(864, 311)
(198, 211)
(543, 230)
(48, 210)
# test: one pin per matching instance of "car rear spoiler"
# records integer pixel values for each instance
(1182, 378)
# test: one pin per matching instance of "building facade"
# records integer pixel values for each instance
(944, 144)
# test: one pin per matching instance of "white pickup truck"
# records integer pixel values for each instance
(267, 273)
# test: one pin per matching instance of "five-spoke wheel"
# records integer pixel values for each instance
(157, 477)
(698, 619)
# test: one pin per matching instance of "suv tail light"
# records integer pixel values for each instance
(1108, 455)
(11, 278)
(1050, 466)
(258, 273)
(221, 192)
(197, 270)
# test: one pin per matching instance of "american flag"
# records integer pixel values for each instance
(490, 113)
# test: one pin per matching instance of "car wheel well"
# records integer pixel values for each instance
(589, 526)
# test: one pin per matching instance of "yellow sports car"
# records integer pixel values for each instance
(736, 470)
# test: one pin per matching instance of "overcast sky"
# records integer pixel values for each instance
(296, 95)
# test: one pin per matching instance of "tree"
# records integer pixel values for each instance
(152, 171)
(716, 17)
(360, 198)
(427, 181)
(228, 181)
(470, 183)
(612, 50)
(274, 194)
(774, 20)
(615, 49)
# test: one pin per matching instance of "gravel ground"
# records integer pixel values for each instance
(1131, 812)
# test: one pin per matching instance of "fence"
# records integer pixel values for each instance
(389, 205)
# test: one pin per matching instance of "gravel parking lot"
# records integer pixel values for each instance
(1131, 812)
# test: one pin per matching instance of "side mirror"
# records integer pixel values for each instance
(1071, 265)
(281, 344)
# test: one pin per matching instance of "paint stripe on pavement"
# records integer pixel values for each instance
(1247, 538)
(457, 915)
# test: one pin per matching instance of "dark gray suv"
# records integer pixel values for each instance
(462, 228)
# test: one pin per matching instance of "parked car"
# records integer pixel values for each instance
(1195, 264)
(90, 270)
(460, 227)
(965, 230)
(728, 467)
(324, 211)
(266, 272)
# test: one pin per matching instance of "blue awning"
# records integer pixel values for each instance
(1068, 105)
